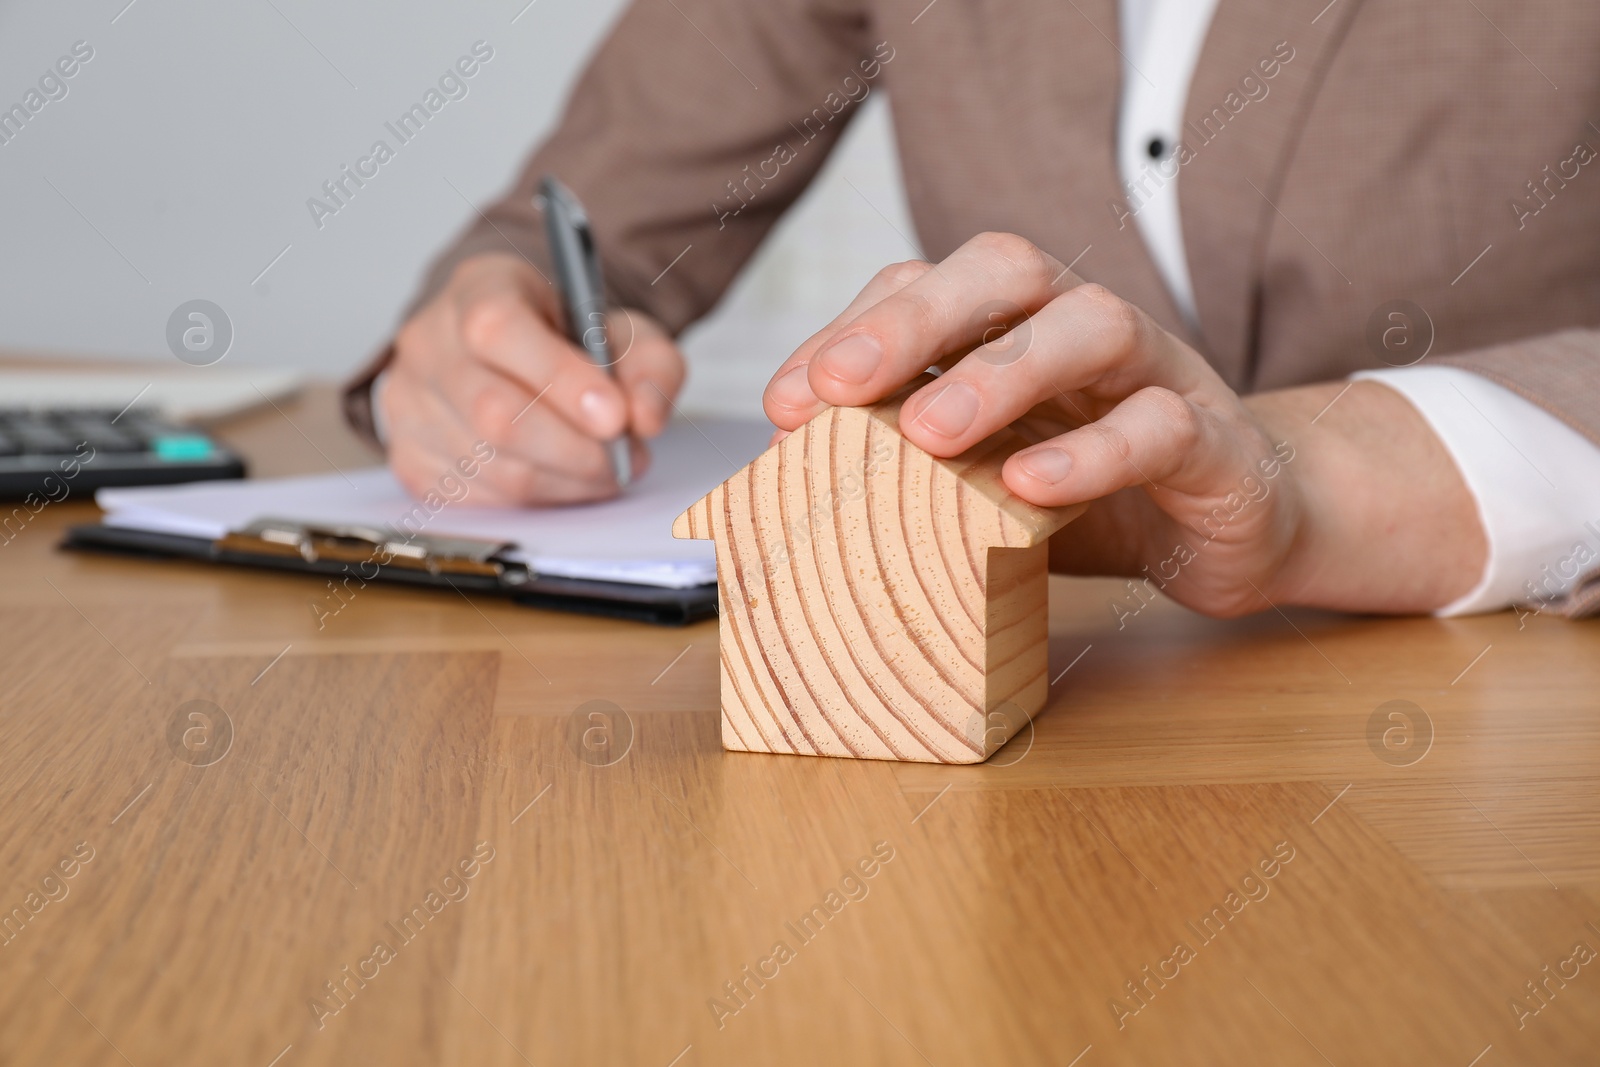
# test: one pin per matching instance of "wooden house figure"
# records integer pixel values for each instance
(876, 601)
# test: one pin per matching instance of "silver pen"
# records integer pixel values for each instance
(582, 291)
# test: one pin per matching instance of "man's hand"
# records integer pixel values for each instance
(486, 359)
(1228, 505)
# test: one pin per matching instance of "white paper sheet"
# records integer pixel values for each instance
(627, 539)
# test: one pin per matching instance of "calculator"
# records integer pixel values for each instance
(49, 454)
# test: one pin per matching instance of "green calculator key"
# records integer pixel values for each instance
(177, 448)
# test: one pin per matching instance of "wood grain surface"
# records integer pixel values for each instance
(877, 602)
(1214, 847)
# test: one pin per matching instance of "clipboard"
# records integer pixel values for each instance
(367, 553)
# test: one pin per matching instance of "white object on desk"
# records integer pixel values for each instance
(182, 396)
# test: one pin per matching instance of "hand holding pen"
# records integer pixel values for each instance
(489, 359)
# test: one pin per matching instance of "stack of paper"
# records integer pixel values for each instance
(627, 539)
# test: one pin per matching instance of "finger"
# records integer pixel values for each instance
(492, 407)
(1086, 343)
(490, 404)
(502, 330)
(503, 481)
(789, 400)
(986, 283)
(573, 465)
(1154, 437)
(414, 465)
(524, 484)
(423, 470)
(425, 432)
(649, 367)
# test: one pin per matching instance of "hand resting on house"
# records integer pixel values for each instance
(1229, 504)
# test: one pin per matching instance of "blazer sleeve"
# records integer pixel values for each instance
(694, 126)
(1560, 372)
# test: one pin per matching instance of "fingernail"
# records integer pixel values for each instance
(950, 410)
(790, 389)
(600, 411)
(854, 359)
(1046, 464)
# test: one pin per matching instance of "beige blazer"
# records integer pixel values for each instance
(1341, 162)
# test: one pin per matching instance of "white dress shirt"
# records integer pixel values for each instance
(1535, 480)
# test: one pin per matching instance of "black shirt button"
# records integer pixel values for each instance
(1157, 148)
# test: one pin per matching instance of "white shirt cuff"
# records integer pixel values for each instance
(1536, 482)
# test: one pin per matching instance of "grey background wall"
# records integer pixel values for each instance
(176, 164)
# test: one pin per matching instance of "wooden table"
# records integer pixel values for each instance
(1424, 868)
